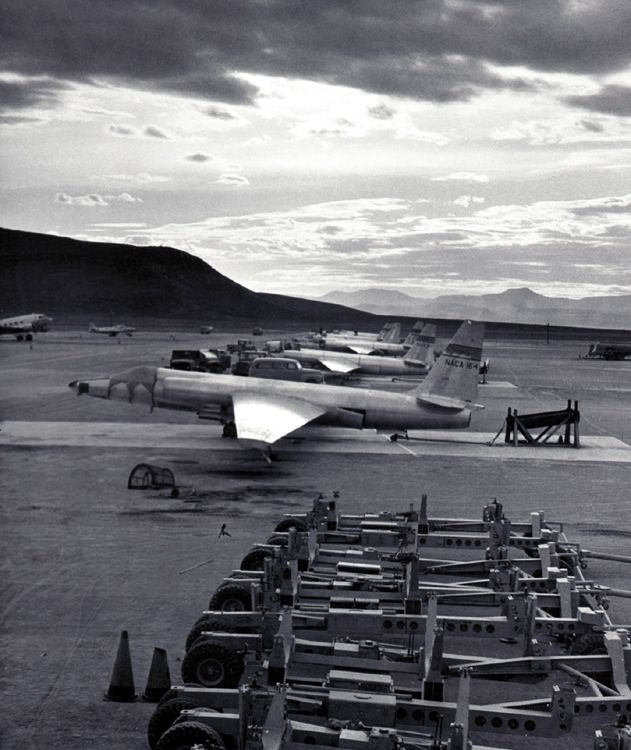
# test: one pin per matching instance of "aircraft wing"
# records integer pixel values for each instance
(335, 366)
(262, 419)
(363, 348)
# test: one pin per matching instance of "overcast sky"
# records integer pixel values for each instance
(431, 146)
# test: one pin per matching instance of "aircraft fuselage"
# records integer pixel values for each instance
(193, 391)
(364, 363)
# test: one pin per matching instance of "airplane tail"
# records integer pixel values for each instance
(91, 327)
(414, 333)
(390, 332)
(422, 350)
(453, 380)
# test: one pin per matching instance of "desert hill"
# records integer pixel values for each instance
(71, 279)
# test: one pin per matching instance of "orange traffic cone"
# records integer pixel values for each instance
(122, 683)
(159, 680)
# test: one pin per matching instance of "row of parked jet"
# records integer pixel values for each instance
(24, 326)
(260, 412)
(354, 354)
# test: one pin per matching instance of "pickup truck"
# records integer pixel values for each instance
(284, 369)
(609, 351)
(199, 360)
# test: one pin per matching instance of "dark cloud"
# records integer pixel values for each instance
(152, 131)
(198, 158)
(592, 126)
(123, 130)
(34, 93)
(611, 100)
(219, 114)
(17, 120)
(434, 50)
(382, 112)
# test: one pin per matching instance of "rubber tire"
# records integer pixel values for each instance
(164, 716)
(228, 663)
(291, 523)
(588, 644)
(231, 598)
(279, 541)
(609, 354)
(205, 622)
(254, 559)
(172, 692)
(190, 734)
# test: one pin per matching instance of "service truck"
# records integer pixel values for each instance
(284, 369)
(200, 360)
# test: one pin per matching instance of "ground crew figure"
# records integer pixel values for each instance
(223, 532)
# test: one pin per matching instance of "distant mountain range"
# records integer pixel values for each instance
(76, 280)
(514, 305)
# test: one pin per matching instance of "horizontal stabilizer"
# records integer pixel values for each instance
(447, 402)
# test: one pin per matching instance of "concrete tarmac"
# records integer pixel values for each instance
(593, 448)
(83, 557)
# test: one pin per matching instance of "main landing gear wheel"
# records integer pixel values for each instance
(189, 735)
(398, 436)
(229, 430)
(212, 664)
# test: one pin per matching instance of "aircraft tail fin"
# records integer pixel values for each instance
(414, 333)
(91, 327)
(422, 350)
(453, 380)
(391, 332)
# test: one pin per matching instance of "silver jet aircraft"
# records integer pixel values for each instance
(416, 361)
(390, 332)
(363, 346)
(112, 330)
(24, 326)
(259, 412)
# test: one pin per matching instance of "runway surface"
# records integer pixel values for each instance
(317, 440)
(85, 557)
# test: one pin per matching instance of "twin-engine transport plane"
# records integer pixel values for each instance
(24, 326)
(259, 412)
(416, 361)
(112, 330)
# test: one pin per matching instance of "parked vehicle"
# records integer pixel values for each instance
(198, 360)
(609, 351)
(284, 369)
(257, 331)
(246, 357)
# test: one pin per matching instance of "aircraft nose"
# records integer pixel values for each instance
(99, 388)
(79, 387)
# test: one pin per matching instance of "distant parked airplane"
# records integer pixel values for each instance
(416, 361)
(24, 326)
(259, 412)
(112, 330)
